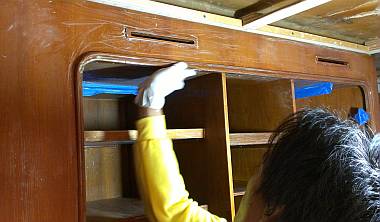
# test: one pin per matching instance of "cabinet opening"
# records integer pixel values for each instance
(213, 109)
(256, 106)
(109, 114)
(108, 90)
(343, 99)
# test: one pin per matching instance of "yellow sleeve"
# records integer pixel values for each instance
(160, 182)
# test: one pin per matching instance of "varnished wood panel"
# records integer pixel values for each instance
(246, 162)
(101, 114)
(42, 44)
(258, 106)
(205, 164)
(103, 173)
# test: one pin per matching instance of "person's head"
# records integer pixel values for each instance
(322, 168)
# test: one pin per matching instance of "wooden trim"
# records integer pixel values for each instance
(131, 135)
(294, 104)
(176, 12)
(284, 13)
(228, 143)
(210, 68)
(374, 44)
(92, 57)
(374, 51)
(239, 139)
(313, 39)
(202, 103)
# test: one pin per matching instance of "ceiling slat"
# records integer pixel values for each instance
(254, 8)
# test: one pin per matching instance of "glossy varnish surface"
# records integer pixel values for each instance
(41, 45)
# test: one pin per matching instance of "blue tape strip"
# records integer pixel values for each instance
(94, 84)
(315, 89)
(361, 116)
(92, 89)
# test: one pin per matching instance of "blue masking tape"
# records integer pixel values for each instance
(361, 117)
(315, 89)
(92, 89)
(94, 84)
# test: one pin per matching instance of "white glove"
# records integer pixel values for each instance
(152, 91)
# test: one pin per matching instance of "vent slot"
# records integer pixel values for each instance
(166, 38)
(330, 61)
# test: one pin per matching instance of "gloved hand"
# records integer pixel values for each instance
(152, 91)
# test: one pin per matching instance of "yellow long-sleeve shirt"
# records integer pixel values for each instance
(161, 184)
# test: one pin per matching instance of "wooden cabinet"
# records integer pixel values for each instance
(48, 143)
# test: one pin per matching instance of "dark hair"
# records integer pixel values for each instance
(322, 168)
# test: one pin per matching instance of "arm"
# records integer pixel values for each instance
(160, 182)
(159, 179)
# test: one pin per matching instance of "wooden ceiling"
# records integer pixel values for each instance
(356, 21)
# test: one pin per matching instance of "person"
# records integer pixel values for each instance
(318, 167)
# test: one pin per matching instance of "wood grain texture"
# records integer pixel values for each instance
(354, 21)
(246, 162)
(258, 106)
(101, 114)
(262, 8)
(42, 45)
(131, 135)
(239, 139)
(205, 165)
(103, 173)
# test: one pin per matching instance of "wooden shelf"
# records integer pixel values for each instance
(125, 136)
(239, 191)
(118, 210)
(239, 188)
(240, 139)
(115, 210)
